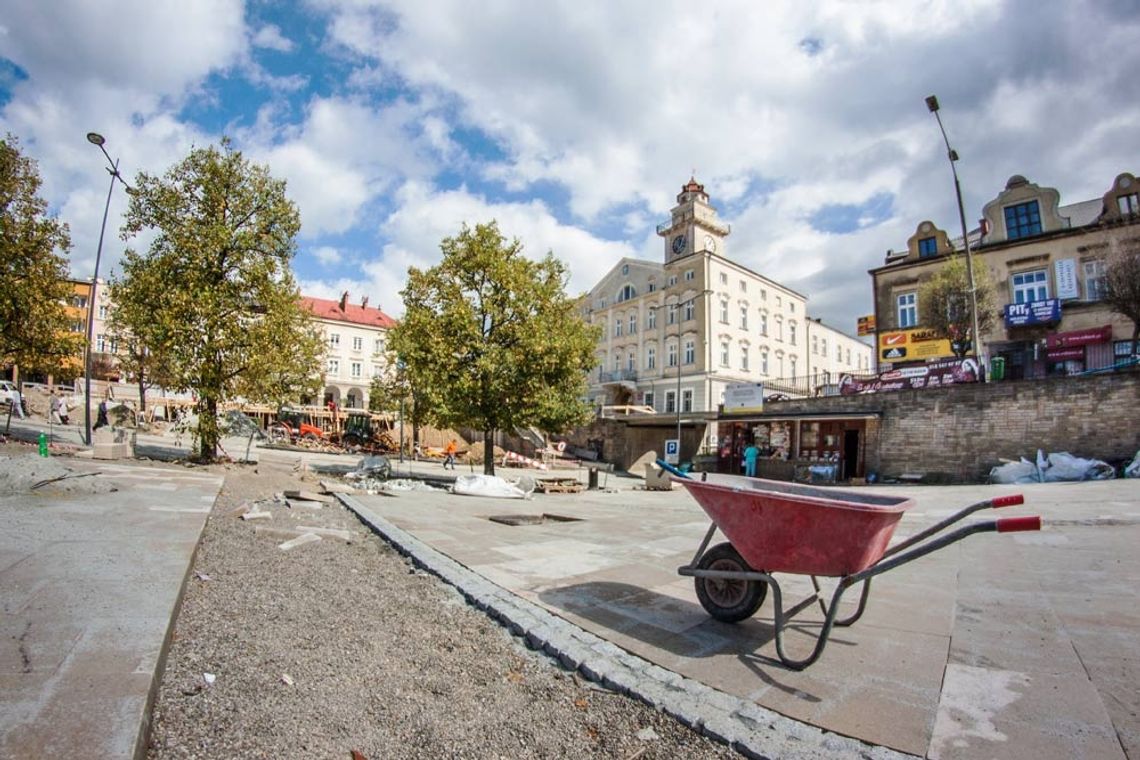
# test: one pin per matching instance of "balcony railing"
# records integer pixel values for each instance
(619, 375)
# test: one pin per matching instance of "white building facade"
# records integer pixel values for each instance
(676, 334)
(356, 337)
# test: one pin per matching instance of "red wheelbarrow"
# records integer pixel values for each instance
(806, 530)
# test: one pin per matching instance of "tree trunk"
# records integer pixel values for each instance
(208, 429)
(488, 452)
(142, 393)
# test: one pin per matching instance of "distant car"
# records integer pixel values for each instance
(8, 391)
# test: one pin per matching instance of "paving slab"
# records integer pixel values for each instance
(89, 586)
(1038, 623)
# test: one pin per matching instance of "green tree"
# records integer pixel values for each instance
(944, 303)
(1122, 285)
(491, 341)
(34, 329)
(213, 301)
(393, 392)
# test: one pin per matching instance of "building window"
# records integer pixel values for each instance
(792, 365)
(1128, 204)
(778, 301)
(334, 340)
(334, 367)
(686, 401)
(1022, 220)
(651, 358)
(102, 312)
(743, 286)
(792, 306)
(617, 362)
(625, 269)
(672, 280)
(648, 399)
(651, 320)
(1094, 280)
(763, 324)
(838, 353)
(672, 354)
(630, 362)
(792, 333)
(633, 323)
(670, 402)
(814, 345)
(1030, 286)
(376, 371)
(77, 326)
(100, 344)
(358, 344)
(764, 362)
(617, 325)
(357, 369)
(690, 352)
(927, 247)
(688, 311)
(908, 309)
(724, 278)
(378, 346)
(652, 287)
(690, 275)
(823, 346)
(671, 314)
(724, 312)
(744, 358)
(743, 317)
(779, 328)
(626, 293)
(763, 294)
(849, 357)
(724, 353)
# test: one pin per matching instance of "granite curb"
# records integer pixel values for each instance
(751, 730)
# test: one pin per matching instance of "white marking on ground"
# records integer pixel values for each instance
(971, 700)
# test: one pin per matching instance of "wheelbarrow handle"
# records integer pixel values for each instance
(994, 503)
(671, 469)
(1013, 524)
(1007, 501)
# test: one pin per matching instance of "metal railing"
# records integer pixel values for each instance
(617, 375)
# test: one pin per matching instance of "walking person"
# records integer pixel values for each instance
(751, 454)
(449, 451)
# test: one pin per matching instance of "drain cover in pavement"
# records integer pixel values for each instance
(516, 520)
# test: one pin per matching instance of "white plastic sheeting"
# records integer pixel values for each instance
(1058, 466)
(491, 485)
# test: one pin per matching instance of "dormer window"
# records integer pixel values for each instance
(627, 292)
(1128, 204)
(1022, 220)
(927, 247)
(625, 269)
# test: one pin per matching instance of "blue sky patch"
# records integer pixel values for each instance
(843, 218)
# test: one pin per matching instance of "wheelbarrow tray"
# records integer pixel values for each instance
(791, 528)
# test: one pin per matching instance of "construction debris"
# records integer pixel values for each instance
(309, 496)
(306, 538)
(560, 485)
(256, 514)
(333, 486)
(303, 504)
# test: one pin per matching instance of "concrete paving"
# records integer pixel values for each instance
(1001, 646)
(89, 586)
(1004, 645)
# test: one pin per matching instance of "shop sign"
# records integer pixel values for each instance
(1033, 313)
(1065, 354)
(933, 375)
(744, 398)
(1065, 273)
(913, 345)
(865, 325)
(1086, 337)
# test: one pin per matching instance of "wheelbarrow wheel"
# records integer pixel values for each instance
(727, 599)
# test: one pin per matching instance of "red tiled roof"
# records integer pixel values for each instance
(353, 312)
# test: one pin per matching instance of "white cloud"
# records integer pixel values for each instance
(270, 37)
(327, 255)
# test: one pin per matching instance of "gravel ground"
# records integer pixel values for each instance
(344, 650)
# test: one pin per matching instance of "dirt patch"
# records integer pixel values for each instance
(334, 646)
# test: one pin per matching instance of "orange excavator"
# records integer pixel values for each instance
(293, 425)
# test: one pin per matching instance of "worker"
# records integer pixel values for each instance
(449, 451)
(751, 454)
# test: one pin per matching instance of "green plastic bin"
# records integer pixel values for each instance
(997, 368)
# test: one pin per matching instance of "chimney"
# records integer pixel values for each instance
(343, 300)
(364, 302)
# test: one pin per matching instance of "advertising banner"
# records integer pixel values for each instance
(933, 375)
(1065, 273)
(1033, 313)
(1087, 337)
(744, 398)
(865, 325)
(1065, 354)
(913, 345)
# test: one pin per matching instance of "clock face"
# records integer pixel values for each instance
(710, 243)
(678, 244)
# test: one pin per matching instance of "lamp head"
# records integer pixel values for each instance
(95, 138)
(932, 103)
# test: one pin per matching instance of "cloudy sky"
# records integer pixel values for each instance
(574, 124)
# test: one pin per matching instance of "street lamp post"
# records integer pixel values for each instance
(952, 155)
(96, 139)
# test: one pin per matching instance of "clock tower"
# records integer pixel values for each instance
(694, 226)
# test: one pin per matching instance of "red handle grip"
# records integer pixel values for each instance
(1011, 524)
(1007, 501)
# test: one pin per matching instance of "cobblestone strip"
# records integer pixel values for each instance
(750, 729)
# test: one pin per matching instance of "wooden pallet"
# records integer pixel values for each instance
(560, 485)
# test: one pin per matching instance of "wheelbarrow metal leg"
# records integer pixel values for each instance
(782, 619)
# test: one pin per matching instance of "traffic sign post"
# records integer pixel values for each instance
(673, 450)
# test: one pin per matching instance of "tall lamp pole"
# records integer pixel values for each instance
(952, 155)
(113, 169)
